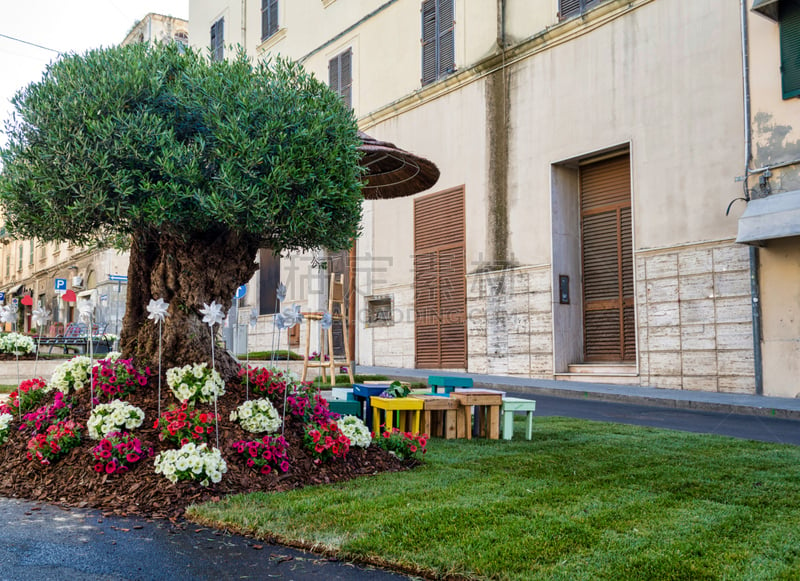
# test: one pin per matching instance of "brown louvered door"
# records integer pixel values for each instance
(609, 325)
(440, 287)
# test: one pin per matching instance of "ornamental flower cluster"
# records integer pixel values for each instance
(308, 404)
(47, 415)
(55, 442)
(16, 343)
(29, 395)
(402, 444)
(325, 441)
(113, 417)
(117, 452)
(192, 462)
(195, 383)
(257, 415)
(270, 382)
(180, 425)
(5, 427)
(72, 375)
(116, 378)
(356, 431)
(265, 455)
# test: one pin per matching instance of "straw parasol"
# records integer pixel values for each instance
(393, 172)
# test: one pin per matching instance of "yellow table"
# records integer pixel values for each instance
(394, 404)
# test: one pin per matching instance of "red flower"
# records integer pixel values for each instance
(199, 430)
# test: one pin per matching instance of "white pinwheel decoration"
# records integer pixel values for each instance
(280, 321)
(8, 314)
(158, 310)
(327, 321)
(212, 314)
(253, 317)
(281, 292)
(40, 316)
(85, 308)
(291, 316)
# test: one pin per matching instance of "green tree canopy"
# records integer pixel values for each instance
(144, 136)
(196, 163)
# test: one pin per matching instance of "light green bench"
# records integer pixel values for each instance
(516, 404)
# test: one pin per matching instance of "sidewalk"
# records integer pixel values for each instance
(777, 407)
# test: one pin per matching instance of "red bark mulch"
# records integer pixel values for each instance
(71, 480)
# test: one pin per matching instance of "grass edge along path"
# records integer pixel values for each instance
(583, 500)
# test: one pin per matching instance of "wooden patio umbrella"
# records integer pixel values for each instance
(393, 172)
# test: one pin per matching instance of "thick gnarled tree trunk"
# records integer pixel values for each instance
(186, 273)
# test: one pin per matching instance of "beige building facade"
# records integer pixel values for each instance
(585, 224)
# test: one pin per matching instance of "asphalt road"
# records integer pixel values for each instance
(761, 428)
(46, 542)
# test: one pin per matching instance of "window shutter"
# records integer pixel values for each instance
(346, 77)
(447, 57)
(273, 17)
(569, 8)
(428, 41)
(790, 48)
(217, 40)
(333, 74)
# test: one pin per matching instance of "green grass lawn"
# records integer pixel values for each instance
(7, 388)
(583, 500)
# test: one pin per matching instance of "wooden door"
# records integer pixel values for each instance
(607, 254)
(440, 298)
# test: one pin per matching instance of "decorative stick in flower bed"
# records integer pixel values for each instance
(212, 314)
(85, 310)
(39, 319)
(280, 296)
(253, 323)
(158, 312)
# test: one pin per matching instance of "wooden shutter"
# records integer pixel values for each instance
(217, 40)
(609, 325)
(440, 281)
(790, 48)
(269, 18)
(569, 8)
(340, 76)
(429, 72)
(446, 21)
(269, 277)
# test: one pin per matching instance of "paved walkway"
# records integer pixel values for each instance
(778, 407)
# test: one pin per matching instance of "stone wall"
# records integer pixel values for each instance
(509, 322)
(694, 318)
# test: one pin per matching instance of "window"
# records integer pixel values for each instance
(8, 265)
(21, 252)
(269, 18)
(30, 258)
(182, 38)
(268, 281)
(340, 76)
(569, 8)
(438, 41)
(789, 22)
(217, 39)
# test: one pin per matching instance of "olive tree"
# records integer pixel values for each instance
(195, 164)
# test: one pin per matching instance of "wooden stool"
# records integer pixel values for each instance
(345, 407)
(488, 405)
(392, 404)
(362, 393)
(438, 415)
(515, 404)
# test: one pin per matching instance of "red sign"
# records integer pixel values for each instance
(27, 300)
(69, 296)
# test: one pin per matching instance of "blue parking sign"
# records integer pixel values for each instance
(61, 284)
(2, 296)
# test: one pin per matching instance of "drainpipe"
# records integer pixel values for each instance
(244, 25)
(755, 289)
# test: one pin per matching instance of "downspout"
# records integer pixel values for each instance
(755, 289)
(244, 25)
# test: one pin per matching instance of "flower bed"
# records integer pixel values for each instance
(118, 452)
(195, 383)
(256, 416)
(181, 425)
(192, 462)
(72, 375)
(116, 378)
(113, 417)
(265, 455)
(54, 443)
